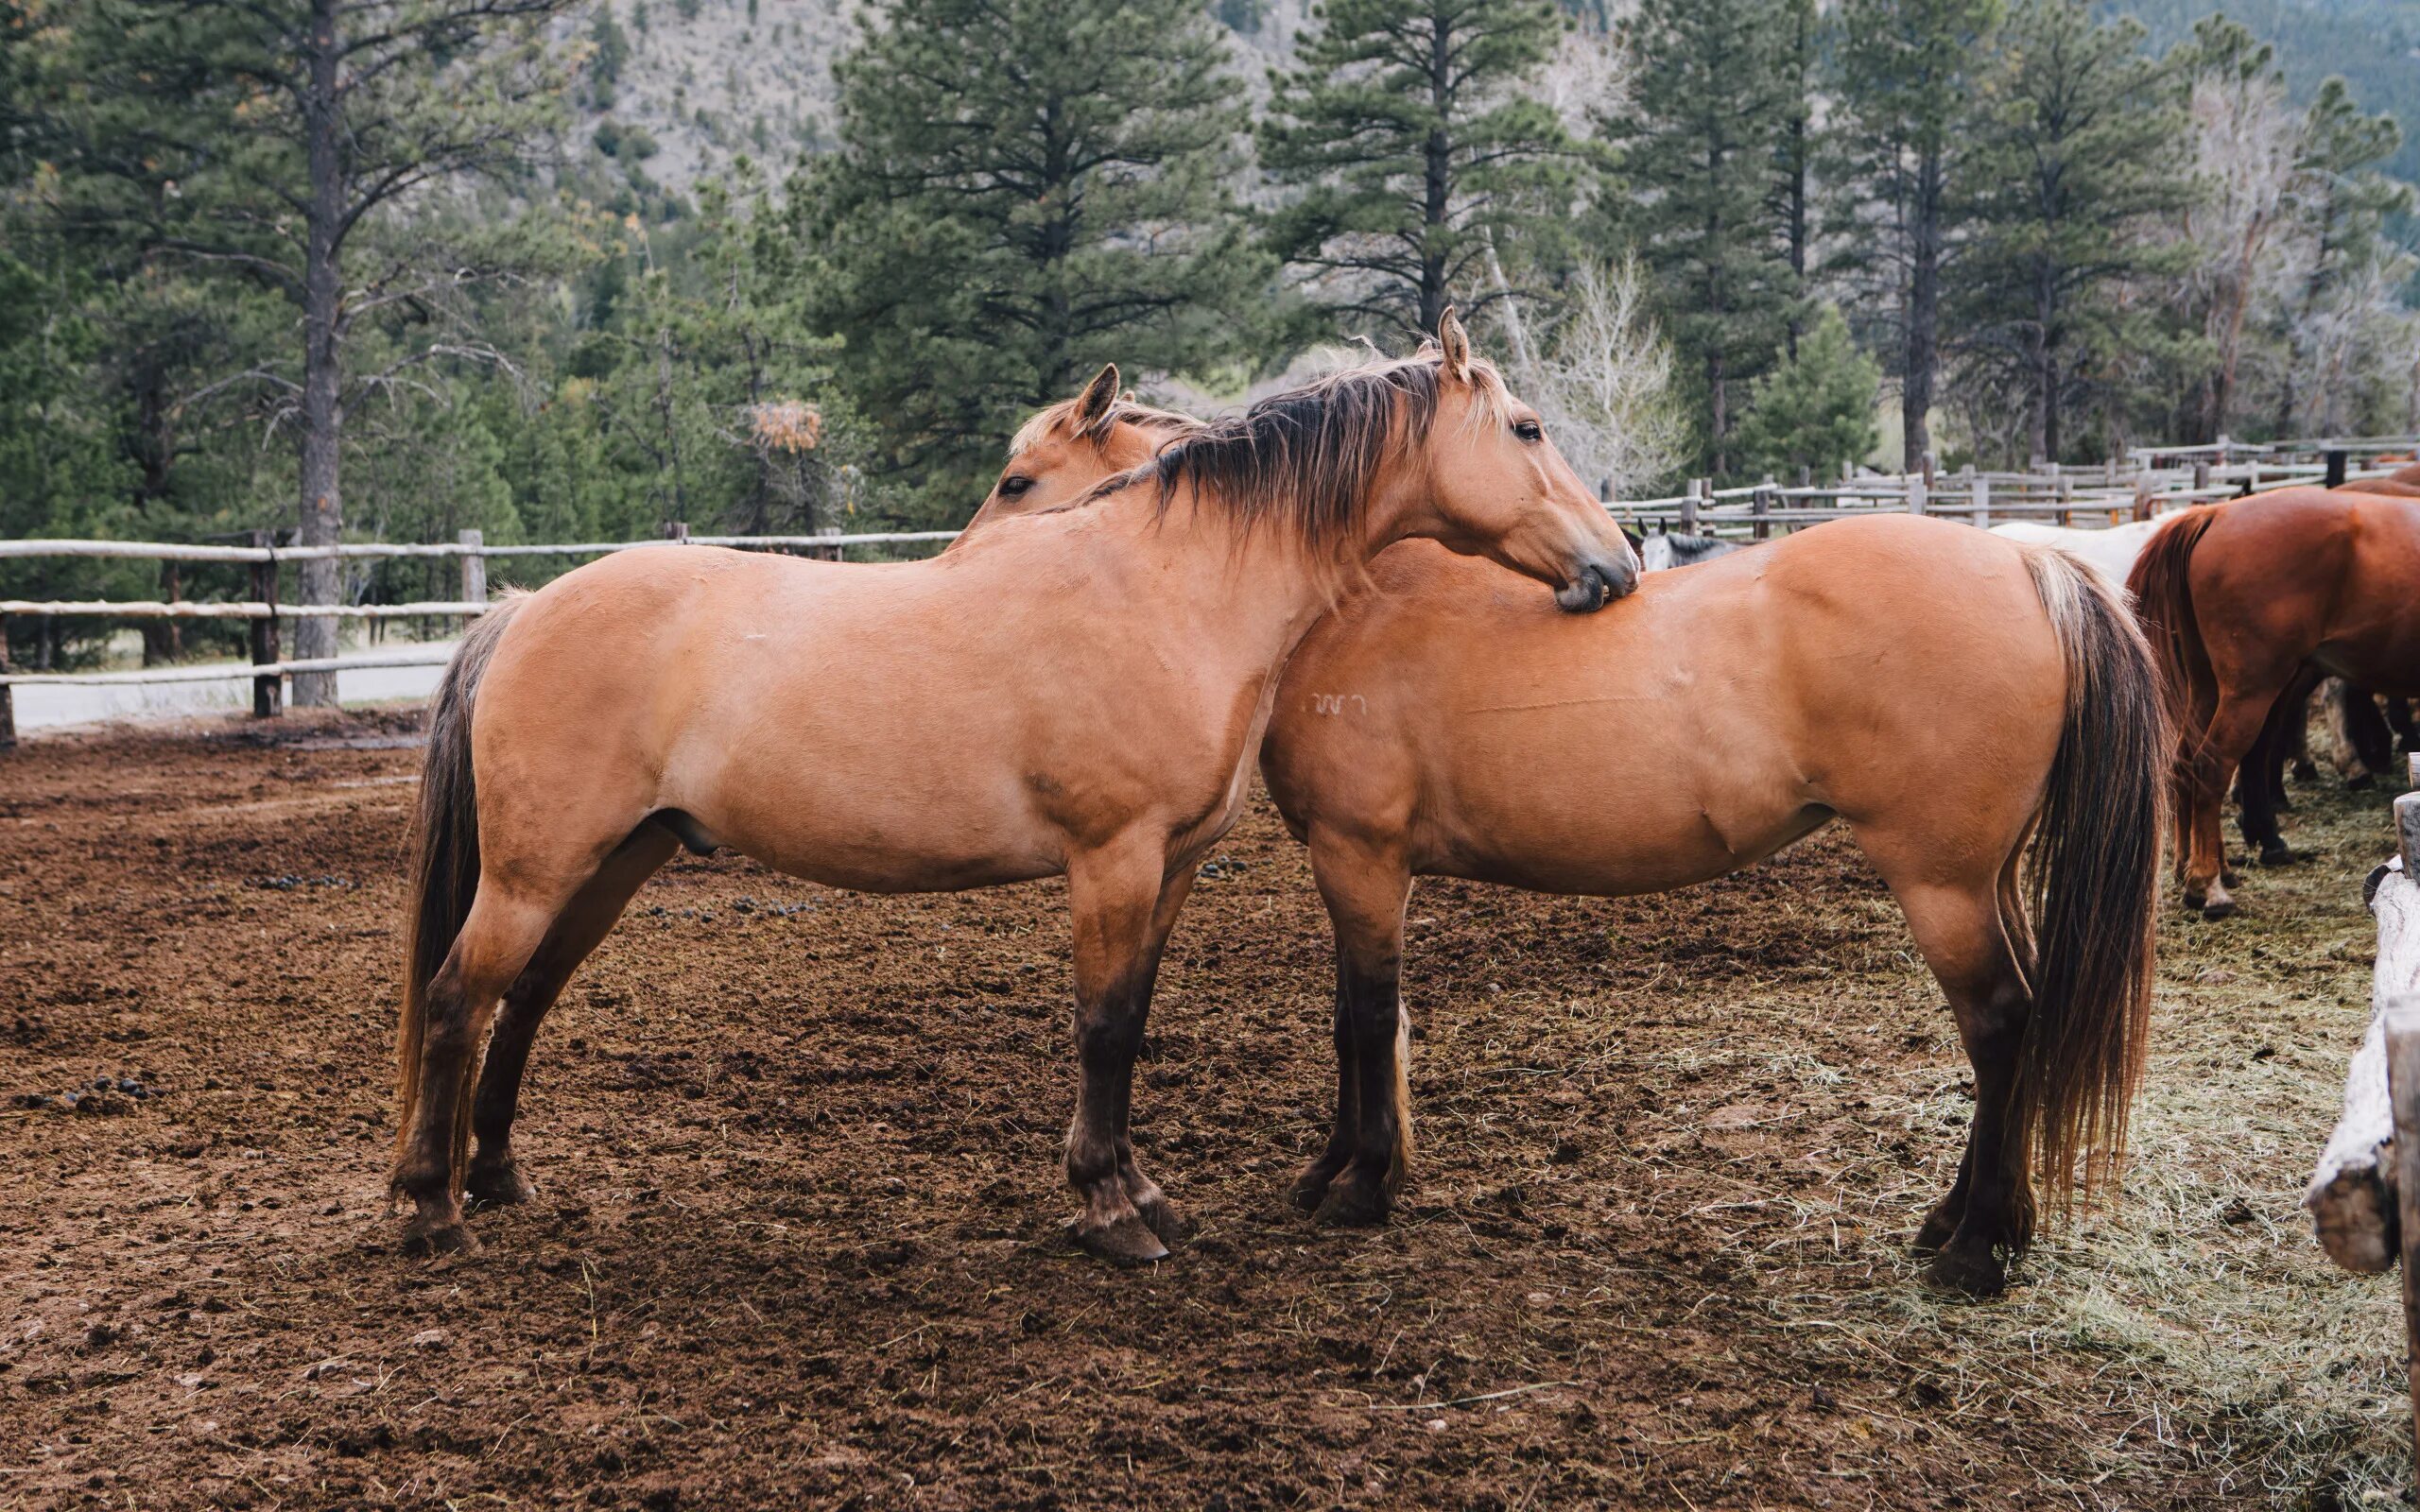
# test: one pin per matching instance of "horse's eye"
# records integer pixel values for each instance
(1530, 430)
(1015, 486)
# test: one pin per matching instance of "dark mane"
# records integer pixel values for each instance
(1304, 461)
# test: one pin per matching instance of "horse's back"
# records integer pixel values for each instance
(1709, 717)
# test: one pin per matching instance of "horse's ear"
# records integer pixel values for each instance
(1100, 399)
(1455, 343)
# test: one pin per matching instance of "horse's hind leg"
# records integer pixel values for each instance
(1365, 887)
(505, 928)
(1988, 1216)
(2233, 730)
(494, 1177)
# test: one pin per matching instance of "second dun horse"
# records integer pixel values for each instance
(1952, 695)
(1078, 691)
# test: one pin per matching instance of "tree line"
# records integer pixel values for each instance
(392, 268)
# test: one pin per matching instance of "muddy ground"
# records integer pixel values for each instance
(798, 1234)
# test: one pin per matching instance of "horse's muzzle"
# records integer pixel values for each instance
(1598, 584)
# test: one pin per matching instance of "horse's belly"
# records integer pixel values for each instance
(1572, 832)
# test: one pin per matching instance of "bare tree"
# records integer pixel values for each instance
(1601, 375)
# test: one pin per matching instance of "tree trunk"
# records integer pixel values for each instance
(322, 511)
(1796, 188)
(1437, 202)
(1923, 354)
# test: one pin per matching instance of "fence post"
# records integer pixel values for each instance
(8, 693)
(1983, 502)
(475, 567)
(2335, 456)
(1760, 506)
(677, 531)
(2201, 478)
(1919, 491)
(1689, 505)
(268, 693)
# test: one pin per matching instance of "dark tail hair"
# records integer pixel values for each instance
(444, 862)
(2094, 890)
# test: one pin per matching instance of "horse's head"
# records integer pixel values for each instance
(1498, 487)
(1063, 452)
(1429, 445)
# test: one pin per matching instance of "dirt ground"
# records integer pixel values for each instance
(798, 1235)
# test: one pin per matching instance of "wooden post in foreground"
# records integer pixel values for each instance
(8, 699)
(268, 693)
(475, 570)
(2335, 456)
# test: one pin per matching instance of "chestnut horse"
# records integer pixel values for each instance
(1951, 695)
(1078, 691)
(2242, 599)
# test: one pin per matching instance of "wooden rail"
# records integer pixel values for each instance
(2109, 493)
(264, 614)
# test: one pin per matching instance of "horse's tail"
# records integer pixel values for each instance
(2095, 883)
(2162, 595)
(444, 875)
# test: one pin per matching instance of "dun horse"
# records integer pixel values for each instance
(1948, 694)
(1078, 692)
(2242, 600)
(1952, 695)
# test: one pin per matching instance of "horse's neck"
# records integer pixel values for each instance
(1258, 584)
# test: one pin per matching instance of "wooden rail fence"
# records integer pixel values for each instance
(2144, 483)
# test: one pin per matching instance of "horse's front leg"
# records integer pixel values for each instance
(1365, 886)
(1124, 905)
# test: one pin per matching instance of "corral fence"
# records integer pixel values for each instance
(2134, 488)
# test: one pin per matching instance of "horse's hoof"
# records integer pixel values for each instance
(2306, 772)
(2279, 854)
(1934, 1234)
(498, 1184)
(449, 1237)
(2220, 907)
(1353, 1203)
(1161, 1217)
(2193, 900)
(1125, 1240)
(2230, 878)
(2360, 783)
(1310, 1189)
(1968, 1274)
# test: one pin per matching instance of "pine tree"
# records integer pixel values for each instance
(1903, 77)
(276, 142)
(1814, 411)
(2077, 149)
(1708, 122)
(1024, 190)
(1414, 156)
